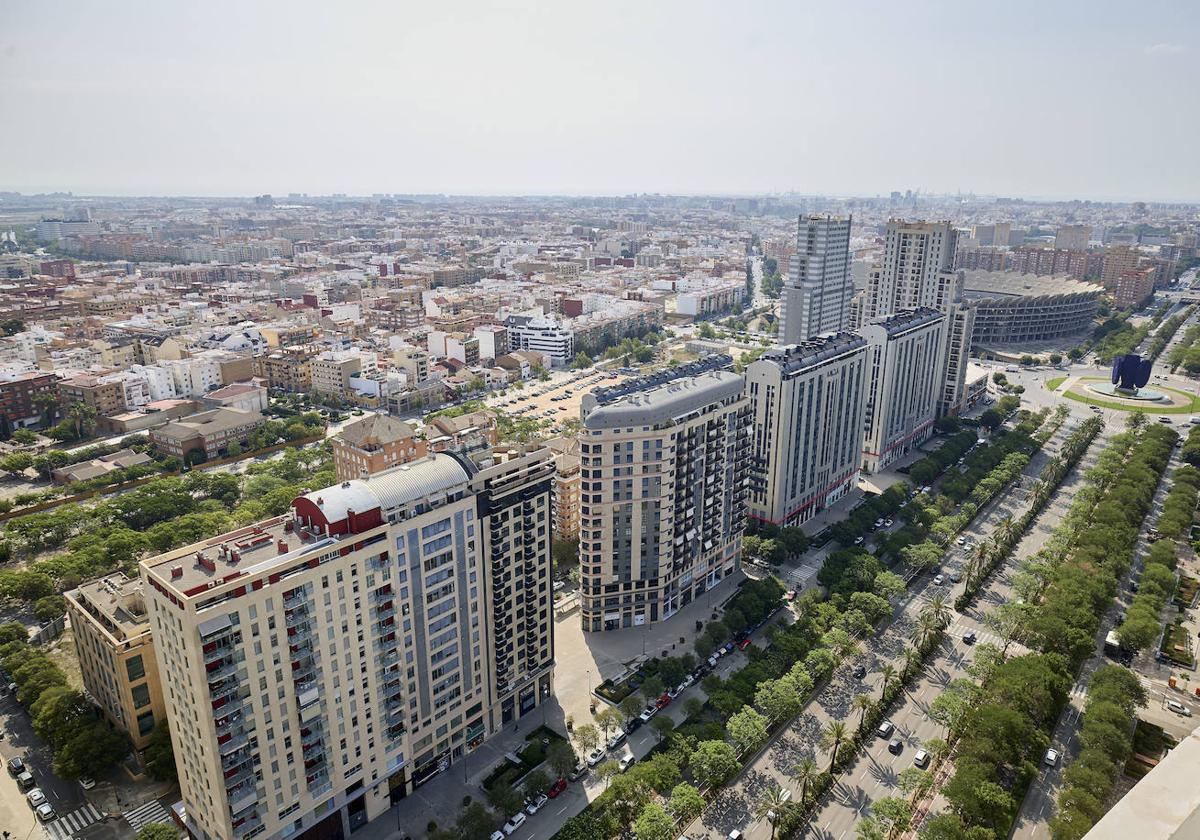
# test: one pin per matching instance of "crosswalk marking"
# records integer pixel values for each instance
(982, 637)
(1079, 689)
(151, 812)
(67, 825)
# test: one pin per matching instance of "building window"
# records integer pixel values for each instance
(141, 695)
(145, 723)
(135, 668)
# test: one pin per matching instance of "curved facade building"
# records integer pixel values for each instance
(1018, 309)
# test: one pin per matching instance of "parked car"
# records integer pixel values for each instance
(45, 812)
(633, 725)
(885, 729)
(579, 771)
(647, 713)
(921, 759)
(955, 577)
(16, 766)
(617, 740)
(25, 781)
(497, 835)
(560, 784)
(35, 797)
(734, 835)
(536, 803)
(938, 580)
(515, 823)
(86, 782)
(626, 762)
(664, 701)
(859, 672)
(743, 644)
(596, 756)
(895, 746)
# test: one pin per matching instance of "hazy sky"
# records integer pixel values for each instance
(1092, 99)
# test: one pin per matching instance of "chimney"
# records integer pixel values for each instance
(176, 572)
(281, 546)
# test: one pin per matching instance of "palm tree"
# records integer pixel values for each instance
(861, 703)
(83, 416)
(888, 672)
(922, 630)
(804, 774)
(912, 661)
(47, 404)
(938, 611)
(977, 561)
(832, 738)
(771, 806)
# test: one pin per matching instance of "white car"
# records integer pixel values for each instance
(45, 812)
(86, 782)
(532, 807)
(626, 762)
(646, 714)
(938, 580)
(1178, 708)
(921, 759)
(35, 797)
(596, 756)
(517, 820)
(1051, 759)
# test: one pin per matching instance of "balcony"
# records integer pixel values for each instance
(241, 799)
(221, 649)
(251, 823)
(233, 761)
(235, 742)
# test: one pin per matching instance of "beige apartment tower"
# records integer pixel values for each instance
(662, 505)
(321, 665)
(116, 654)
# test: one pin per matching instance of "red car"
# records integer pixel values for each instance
(557, 788)
(664, 701)
(743, 644)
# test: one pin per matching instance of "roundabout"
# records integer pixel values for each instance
(1098, 391)
(1107, 389)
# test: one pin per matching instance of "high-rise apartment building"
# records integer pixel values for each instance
(905, 354)
(913, 256)
(662, 503)
(1117, 261)
(1073, 237)
(807, 404)
(322, 664)
(116, 654)
(816, 294)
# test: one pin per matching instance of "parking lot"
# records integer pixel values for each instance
(556, 400)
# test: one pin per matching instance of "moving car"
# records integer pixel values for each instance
(86, 782)
(626, 762)
(1051, 758)
(969, 637)
(1178, 708)
(921, 759)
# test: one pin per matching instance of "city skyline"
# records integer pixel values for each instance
(541, 100)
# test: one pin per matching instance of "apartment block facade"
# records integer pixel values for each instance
(913, 256)
(321, 665)
(806, 401)
(905, 354)
(116, 654)
(664, 465)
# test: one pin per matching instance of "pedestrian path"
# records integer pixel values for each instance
(68, 825)
(151, 812)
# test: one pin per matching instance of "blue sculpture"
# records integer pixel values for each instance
(1131, 372)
